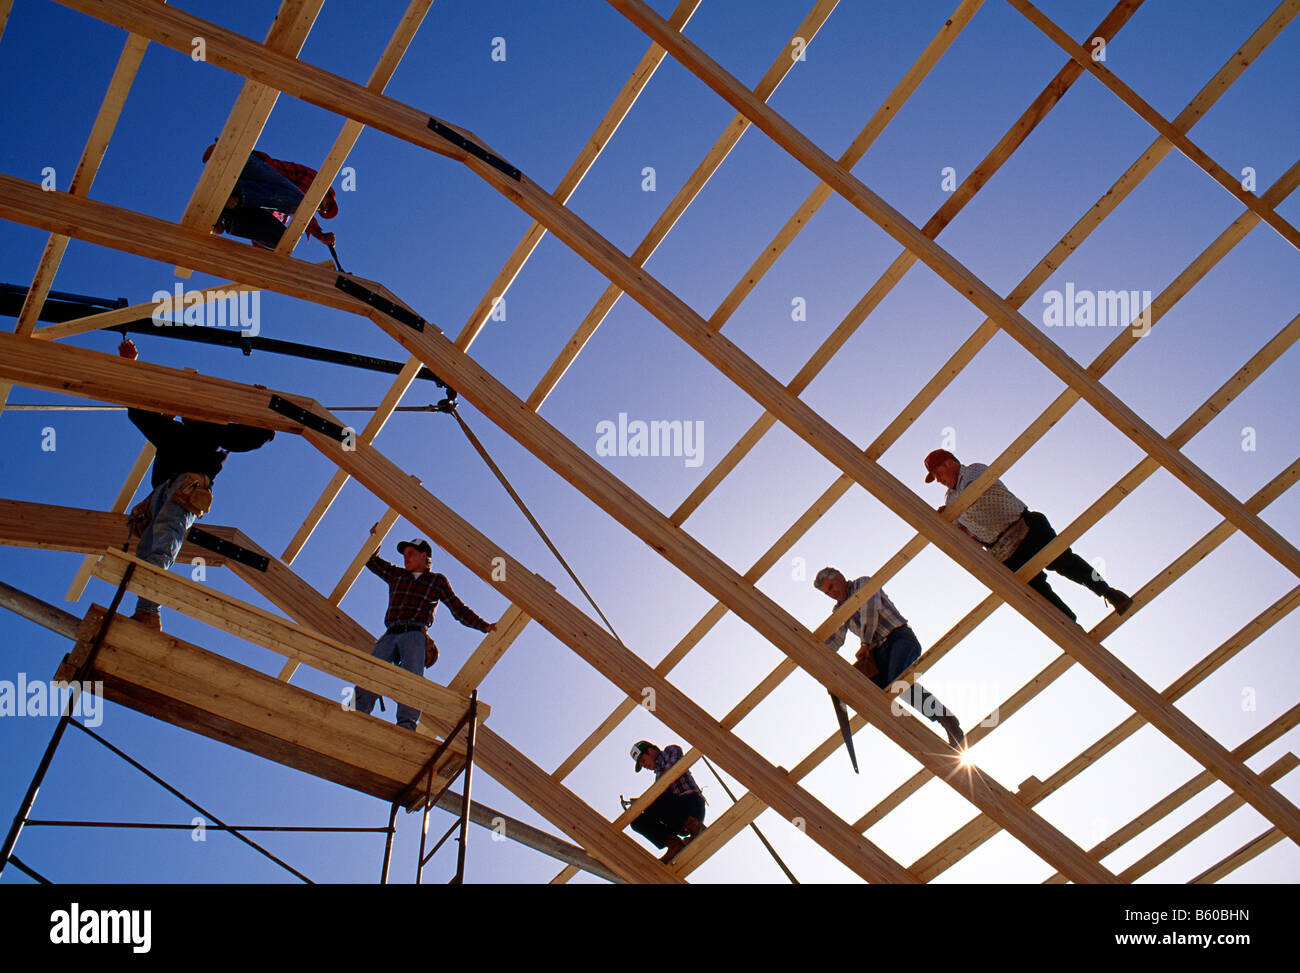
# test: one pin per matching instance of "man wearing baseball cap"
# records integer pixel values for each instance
(413, 594)
(1013, 533)
(678, 811)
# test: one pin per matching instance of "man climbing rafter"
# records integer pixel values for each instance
(266, 195)
(677, 813)
(888, 646)
(1013, 533)
(413, 595)
(189, 456)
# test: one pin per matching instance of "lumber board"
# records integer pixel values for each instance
(1130, 98)
(681, 200)
(55, 528)
(184, 684)
(1251, 849)
(255, 625)
(833, 446)
(808, 426)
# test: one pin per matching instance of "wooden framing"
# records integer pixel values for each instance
(204, 692)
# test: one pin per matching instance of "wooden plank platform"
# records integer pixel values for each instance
(177, 682)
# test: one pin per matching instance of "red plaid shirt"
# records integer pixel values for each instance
(413, 597)
(302, 177)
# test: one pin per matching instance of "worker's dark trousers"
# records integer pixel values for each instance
(666, 817)
(262, 189)
(899, 650)
(1067, 563)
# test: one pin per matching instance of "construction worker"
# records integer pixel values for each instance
(189, 457)
(413, 594)
(266, 195)
(1013, 533)
(888, 649)
(676, 813)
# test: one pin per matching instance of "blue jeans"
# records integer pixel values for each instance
(162, 538)
(405, 650)
(893, 656)
(666, 816)
(261, 189)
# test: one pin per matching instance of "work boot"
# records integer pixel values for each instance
(675, 846)
(152, 619)
(950, 725)
(1118, 600)
(693, 827)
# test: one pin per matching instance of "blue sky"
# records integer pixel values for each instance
(437, 235)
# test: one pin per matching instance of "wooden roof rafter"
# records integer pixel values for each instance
(1238, 515)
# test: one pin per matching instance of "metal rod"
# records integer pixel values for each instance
(22, 866)
(770, 850)
(33, 788)
(469, 776)
(24, 808)
(203, 811)
(424, 828)
(441, 841)
(388, 844)
(33, 822)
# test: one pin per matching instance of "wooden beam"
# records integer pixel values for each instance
(241, 54)
(1153, 118)
(1011, 140)
(54, 528)
(1275, 771)
(514, 263)
(207, 693)
(1271, 733)
(110, 110)
(394, 50)
(247, 622)
(677, 316)
(288, 32)
(694, 185)
(1251, 849)
(489, 652)
(971, 185)
(106, 319)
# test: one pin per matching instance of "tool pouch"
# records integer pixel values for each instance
(430, 651)
(1005, 545)
(140, 516)
(195, 493)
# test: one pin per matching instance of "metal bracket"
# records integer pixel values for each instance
(395, 311)
(227, 549)
(309, 419)
(473, 148)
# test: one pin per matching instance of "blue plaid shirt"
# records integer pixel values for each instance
(871, 623)
(683, 785)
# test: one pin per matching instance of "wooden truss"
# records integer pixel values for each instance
(205, 692)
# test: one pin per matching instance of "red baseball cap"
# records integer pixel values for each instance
(934, 461)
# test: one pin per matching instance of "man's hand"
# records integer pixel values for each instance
(867, 663)
(375, 528)
(491, 628)
(127, 349)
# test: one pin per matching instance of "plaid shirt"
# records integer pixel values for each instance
(412, 597)
(301, 176)
(995, 510)
(871, 623)
(683, 785)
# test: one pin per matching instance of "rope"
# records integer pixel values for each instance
(449, 406)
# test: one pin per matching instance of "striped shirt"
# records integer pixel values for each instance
(995, 510)
(872, 622)
(683, 785)
(413, 596)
